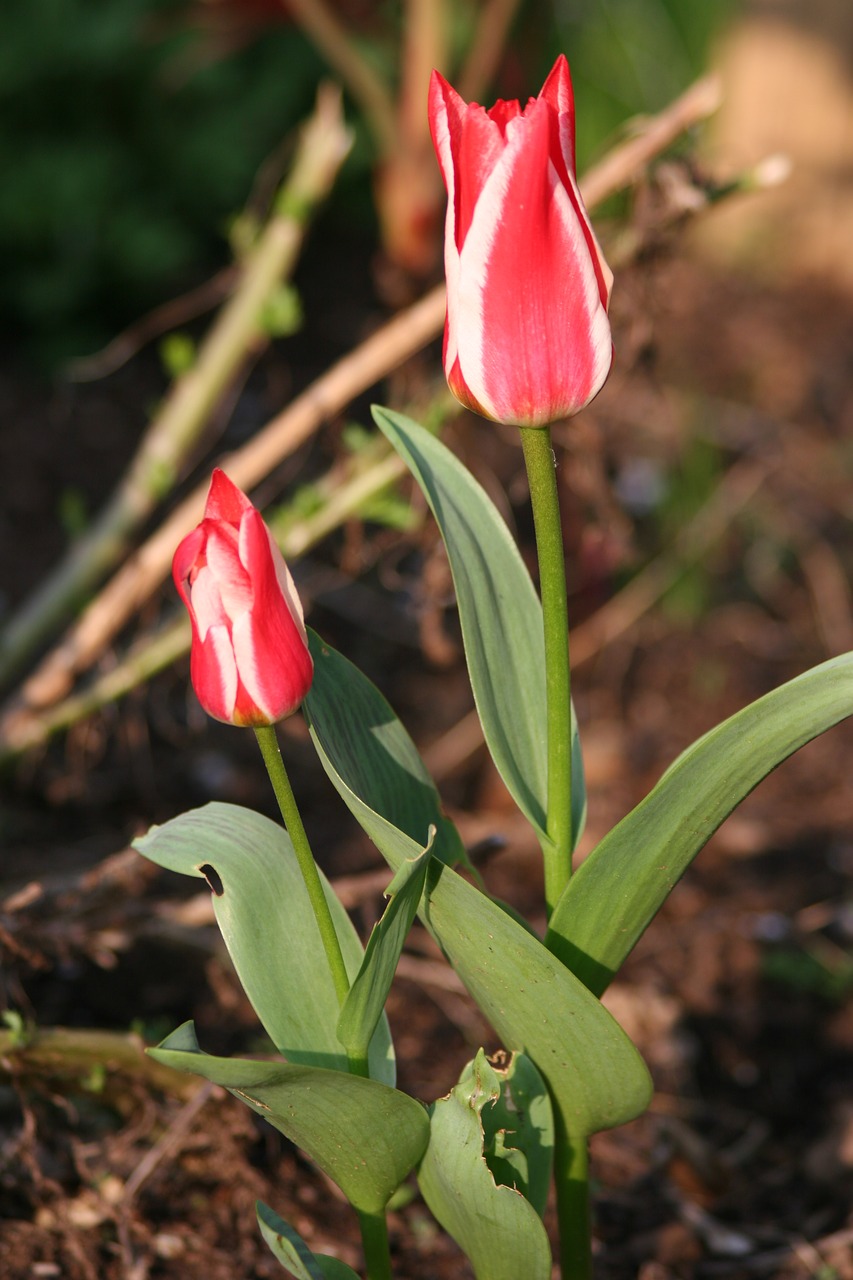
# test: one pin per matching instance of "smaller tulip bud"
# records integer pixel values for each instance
(250, 663)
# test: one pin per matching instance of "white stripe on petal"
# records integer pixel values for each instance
(246, 656)
(218, 682)
(206, 602)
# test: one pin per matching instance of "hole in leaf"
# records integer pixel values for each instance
(212, 877)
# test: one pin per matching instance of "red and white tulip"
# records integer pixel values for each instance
(527, 338)
(250, 663)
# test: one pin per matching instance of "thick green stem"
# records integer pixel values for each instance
(541, 474)
(571, 1178)
(374, 1239)
(268, 743)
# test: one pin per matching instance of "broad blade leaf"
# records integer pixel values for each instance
(263, 911)
(501, 619)
(499, 1230)
(293, 1253)
(534, 1003)
(363, 1006)
(364, 1135)
(618, 889)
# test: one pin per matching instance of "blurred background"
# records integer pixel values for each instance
(707, 503)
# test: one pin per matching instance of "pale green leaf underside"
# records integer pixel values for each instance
(364, 1135)
(618, 889)
(269, 928)
(501, 619)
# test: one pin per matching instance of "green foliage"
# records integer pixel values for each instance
(501, 619)
(293, 1253)
(363, 1134)
(619, 888)
(816, 970)
(630, 57)
(346, 713)
(595, 1074)
(282, 312)
(177, 353)
(126, 142)
(475, 1174)
(264, 914)
(365, 1002)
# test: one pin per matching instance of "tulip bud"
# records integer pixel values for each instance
(527, 339)
(250, 663)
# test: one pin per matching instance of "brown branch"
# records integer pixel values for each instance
(339, 49)
(488, 44)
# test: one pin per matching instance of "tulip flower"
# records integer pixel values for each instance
(527, 339)
(250, 663)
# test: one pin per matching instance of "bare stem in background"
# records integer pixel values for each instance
(341, 52)
(487, 46)
(236, 335)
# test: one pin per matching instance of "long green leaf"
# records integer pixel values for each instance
(534, 1002)
(621, 885)
(384, 758)
(263, 911)
(501, 619)
(493, 1223)
(364, 1135)
(363, 1006)
(293, 1253)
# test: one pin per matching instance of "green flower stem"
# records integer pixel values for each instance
(571, 1178)
(268, 743)
(377, 1251)
(541, 474)
(374, 1229)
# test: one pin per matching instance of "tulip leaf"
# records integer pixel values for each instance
(385, 759)
(264, 914)
(293, 1253)
(501, 619)
(488, 1215)
(621, 885)
(532, 1000)
(519, 1129)
(364, 1135)
(363, 1006)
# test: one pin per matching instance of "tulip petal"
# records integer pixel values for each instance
(214, 673)
(526, 338)
(250, 663)
(207, 603)
(186, 557)
(272, 656)
(224, 500)
(533, 336)
(233, 581)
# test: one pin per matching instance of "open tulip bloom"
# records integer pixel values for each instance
(527, 340)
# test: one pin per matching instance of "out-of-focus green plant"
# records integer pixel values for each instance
(630, 57)
(126, 142)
